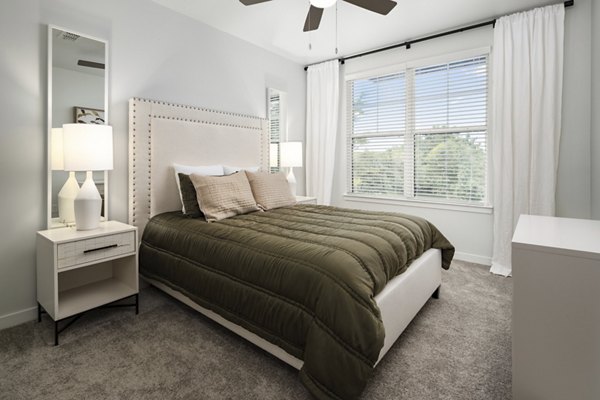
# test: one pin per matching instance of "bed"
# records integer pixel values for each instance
(324, 289)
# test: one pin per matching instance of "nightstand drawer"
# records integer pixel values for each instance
(95, 249)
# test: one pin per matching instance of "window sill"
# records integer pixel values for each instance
(419, 204)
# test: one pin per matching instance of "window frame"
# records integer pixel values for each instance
(485, 206)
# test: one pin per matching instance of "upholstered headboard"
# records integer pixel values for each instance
(161, 134)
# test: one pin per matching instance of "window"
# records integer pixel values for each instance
(420, 133)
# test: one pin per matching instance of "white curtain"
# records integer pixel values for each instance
(322, 105)
(526, 120)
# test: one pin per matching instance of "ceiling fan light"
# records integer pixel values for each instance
(322, 3)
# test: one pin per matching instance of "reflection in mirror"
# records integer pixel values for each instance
(77, 93)
(277, 114)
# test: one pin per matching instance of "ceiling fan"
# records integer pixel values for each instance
(313, 19)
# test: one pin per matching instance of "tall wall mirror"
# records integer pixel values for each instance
(77, 93)
(277, 114)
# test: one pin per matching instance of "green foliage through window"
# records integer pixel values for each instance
(450, 166)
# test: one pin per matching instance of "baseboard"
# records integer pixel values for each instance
(474, 258)
(17, 318)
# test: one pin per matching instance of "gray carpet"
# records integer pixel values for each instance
(458, 347)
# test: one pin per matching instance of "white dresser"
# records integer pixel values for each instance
(556, 309)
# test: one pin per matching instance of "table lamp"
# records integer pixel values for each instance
(290, 154)
(274, 155)
(87, 147)
(67, 194)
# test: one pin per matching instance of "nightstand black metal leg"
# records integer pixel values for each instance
(39, 313)
(73, 318)
(65, 326)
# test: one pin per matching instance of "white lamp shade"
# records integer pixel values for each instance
(56, 146)
(291, 154)
(273, 154)
(322, 3)
(87, 147)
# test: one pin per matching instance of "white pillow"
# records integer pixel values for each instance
(270, 190)
(222, 197)
(212, 170)
(232, 170)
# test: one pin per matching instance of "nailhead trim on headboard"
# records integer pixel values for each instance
(141, 113)
(140, 100)
(206, 122)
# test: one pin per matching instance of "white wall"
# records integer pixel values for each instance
(154, 53)
(595, 110)
(22, 152)
(573, 192)
(471, 232)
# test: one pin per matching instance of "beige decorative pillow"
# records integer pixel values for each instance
(271, 190)
(222, 197)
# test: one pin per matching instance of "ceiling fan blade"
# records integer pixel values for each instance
(250, 2)
(91, 64)
(313, 19)
(382, 7)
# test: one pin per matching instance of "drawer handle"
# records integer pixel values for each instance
(101, 248)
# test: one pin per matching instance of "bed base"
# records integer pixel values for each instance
(406, 294)
(399, 302)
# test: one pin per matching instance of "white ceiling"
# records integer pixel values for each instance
(277, 24)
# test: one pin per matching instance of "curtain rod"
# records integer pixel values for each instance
(409, 43)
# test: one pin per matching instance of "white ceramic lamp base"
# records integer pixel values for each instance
(88, 205)
(66, 197)
(291, 178)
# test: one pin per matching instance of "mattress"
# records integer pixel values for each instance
(302, 277)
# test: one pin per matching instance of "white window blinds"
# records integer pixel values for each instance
(378, 121)
(420, 133)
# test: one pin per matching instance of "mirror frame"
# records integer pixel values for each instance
(50, 223)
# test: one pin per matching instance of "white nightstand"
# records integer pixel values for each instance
(306, 200)
(81, 270)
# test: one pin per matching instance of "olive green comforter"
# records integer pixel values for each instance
(302, 277)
